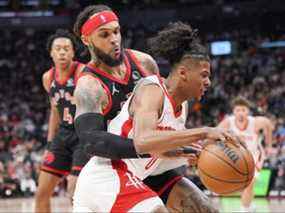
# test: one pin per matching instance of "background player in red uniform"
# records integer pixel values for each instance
(62, 155)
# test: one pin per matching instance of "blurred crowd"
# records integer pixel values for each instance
(258, 74)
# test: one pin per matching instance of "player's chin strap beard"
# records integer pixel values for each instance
(98, 57)
(94, 58)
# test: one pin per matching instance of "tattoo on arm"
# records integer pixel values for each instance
(193, 203)
(150, 65)
(194, 200)
(89, 96)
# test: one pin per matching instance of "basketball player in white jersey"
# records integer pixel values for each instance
(152, 118)
(248, 128)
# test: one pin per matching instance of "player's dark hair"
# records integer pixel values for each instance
(176, 41)
(86, 14)
(61, 33)
(241, 101)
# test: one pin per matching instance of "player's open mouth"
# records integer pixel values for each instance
(117, 52)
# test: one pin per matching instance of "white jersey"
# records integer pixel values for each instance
(106, 185)
(122, 125)
(248, 135)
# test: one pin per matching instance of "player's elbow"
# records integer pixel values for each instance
(140, 145)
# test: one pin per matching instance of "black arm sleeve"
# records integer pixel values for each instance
(90, 129)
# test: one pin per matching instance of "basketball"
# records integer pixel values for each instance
(224, 168)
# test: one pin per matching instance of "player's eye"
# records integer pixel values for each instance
(116, 31)
(104, 34)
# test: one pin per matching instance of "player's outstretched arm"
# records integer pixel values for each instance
(146, 107)
(224, 124)
(264, 124)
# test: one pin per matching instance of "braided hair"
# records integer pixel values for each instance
(176, 41)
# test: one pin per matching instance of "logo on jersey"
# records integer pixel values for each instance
(136, 76)
(134, 181)
(103, 19)
(70, 83)
(246, 137)
(123, 102)
(49, 157)
(114, 89)
(165, 128)
(62, 94)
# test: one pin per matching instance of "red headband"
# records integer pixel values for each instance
(96, 21)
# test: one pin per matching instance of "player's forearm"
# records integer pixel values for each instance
(162, 141)
(268, 137)
(90, 129)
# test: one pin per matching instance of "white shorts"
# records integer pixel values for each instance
(112, 188)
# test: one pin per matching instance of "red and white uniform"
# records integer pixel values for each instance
(248, 135)
(122, 125)
(106, 185)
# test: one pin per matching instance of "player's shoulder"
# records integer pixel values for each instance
(47, 78)
(47, 73)
(262, 120)
(225, 123)
(146, 60)
(89, 81)
(140, 54)
(79, 68)
(80, 65)
(90, 88)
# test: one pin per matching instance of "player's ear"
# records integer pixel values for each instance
(182, 72)
(51, 54)
(73, 53)
(85, 40)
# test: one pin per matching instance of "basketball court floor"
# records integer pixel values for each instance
(61, 204)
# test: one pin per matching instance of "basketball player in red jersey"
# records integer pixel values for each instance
(63, 155)
(248, 129)
(106, 83)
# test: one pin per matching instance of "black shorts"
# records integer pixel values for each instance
(64, 154)
(162, 184)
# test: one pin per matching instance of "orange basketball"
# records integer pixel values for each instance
(225, 168)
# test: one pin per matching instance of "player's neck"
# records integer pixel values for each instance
(63, 70)
(241, 125)
(174, 93)
(117, 71)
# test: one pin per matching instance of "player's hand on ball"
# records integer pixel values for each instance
(236, 139)
(192, 159)
(215, 133)
(176, 153)
(184, 152)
